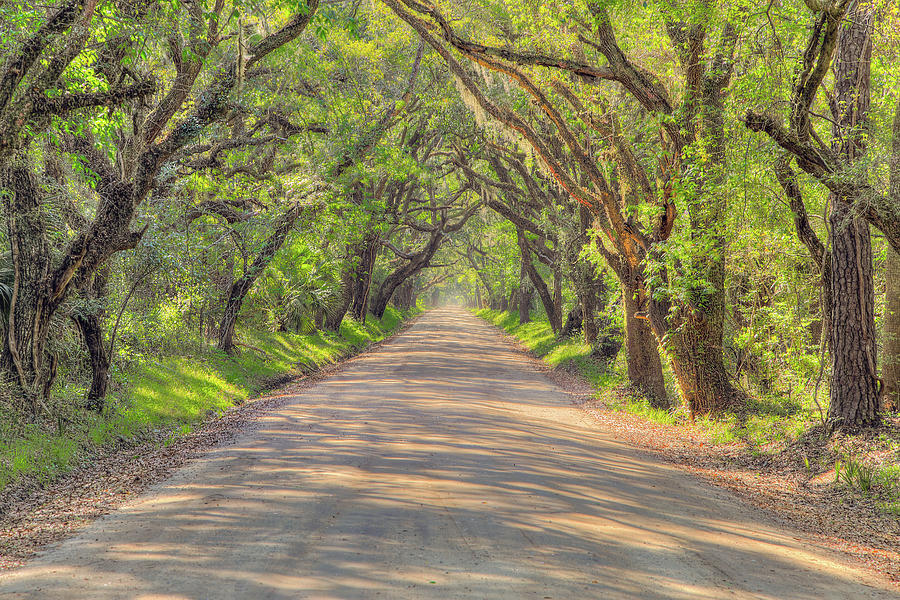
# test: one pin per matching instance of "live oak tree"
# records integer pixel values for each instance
(512, 201)
(45, 277)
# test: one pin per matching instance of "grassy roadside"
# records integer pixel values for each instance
(174, 393)
(765, 421)
(538, 337)
(768, 431)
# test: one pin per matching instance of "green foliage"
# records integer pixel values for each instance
(868, 480)
(854, 474)
(299, 282)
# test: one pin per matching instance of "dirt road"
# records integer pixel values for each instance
(440, 466)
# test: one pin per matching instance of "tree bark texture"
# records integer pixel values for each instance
(855, 387)
(526, 294)
(405, 295)
(362, 279)
(641, 352)
(890, 370)
(33, 303)
(854, 397)
(700, 368)
(91, 328)
(90, 324)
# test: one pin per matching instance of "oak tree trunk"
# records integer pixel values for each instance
(363, 277)
(890, 370)
(405, 295)
(695, 340)
(236, 294)
(91, 328)
(553, 313)
(90, 324)
(526, 294)
(641, 352)
(420, 260)
(695, 352)
(26, 356)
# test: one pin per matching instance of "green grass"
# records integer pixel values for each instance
(538, 337)
(174, 393)
(640, 406)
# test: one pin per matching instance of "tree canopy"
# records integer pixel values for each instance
(708, 190)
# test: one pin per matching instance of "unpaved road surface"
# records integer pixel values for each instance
(439, 466)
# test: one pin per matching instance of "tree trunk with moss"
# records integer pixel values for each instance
(641, 354)
(362, 277)
(90, 323)
(26, 354)
(890, 370)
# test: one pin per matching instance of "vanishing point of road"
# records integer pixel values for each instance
(439, 466)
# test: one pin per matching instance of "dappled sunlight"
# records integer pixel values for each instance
(439, 466)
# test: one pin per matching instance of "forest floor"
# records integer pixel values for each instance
(441, 465)
(795, 481)
(782, 484)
